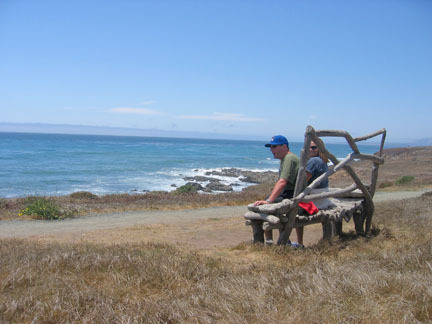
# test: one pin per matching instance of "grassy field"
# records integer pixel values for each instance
(385, 278)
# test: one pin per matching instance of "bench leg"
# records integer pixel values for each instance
(258, 232)
(329, 230)
(359, 220)
(284, 235)
(368, 222)
(339, 228)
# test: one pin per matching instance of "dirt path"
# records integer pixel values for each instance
(204, 228)
(24, 228)
(397, 195)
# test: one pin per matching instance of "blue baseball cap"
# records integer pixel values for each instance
(277, 140)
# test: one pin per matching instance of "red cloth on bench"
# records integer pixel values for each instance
(309, 207)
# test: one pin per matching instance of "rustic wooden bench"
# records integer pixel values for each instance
(354, 201)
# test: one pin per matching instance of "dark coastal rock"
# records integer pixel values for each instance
(259, 177)
(217, 186)
(249, 179)
(199, 178)
(246, 176)
(231, 172)
(196, 185)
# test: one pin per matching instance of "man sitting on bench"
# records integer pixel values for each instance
(288, 169)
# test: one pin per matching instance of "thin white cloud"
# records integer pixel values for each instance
(146, 103)
(135, 111)
(313, 117)
(222, 116)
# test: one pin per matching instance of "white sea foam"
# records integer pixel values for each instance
(236, 182)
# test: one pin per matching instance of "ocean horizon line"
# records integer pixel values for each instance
(261, 140)
(71, 129)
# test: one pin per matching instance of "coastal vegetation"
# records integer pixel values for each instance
(84, 203)
(404, 180)
(46, 208)
(187, 188)
(385, 278)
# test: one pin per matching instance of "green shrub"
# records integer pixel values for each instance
(83, 195)
(187, 188)
(404, 180)
(385, 184)
(45, 208)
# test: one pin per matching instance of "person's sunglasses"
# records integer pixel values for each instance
(314, 147)
(273, 146)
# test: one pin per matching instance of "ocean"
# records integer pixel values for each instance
(60, 164)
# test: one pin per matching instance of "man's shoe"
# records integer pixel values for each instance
(297, 245)
(269, 242)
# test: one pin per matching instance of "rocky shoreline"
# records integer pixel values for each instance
(212, 180)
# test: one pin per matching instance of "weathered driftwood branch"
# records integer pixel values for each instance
(374, 174)
(384, 133)
(318, 180)
(366, 137)
(270, 226)
(370, 157)
(264, 217)
(335, 212)
(369, 205)
(345, 192)
(343, 209)
(273, 209)
(374, 179)
(339, 133)
(304, 157)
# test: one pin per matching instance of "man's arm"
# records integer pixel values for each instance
(277, 190)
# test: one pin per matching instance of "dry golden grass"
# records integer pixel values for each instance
(386, 278)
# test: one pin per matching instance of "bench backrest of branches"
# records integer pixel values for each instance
(284, 215)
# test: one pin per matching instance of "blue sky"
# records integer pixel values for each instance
(237, 67)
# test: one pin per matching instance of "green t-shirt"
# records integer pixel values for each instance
(288, 170)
